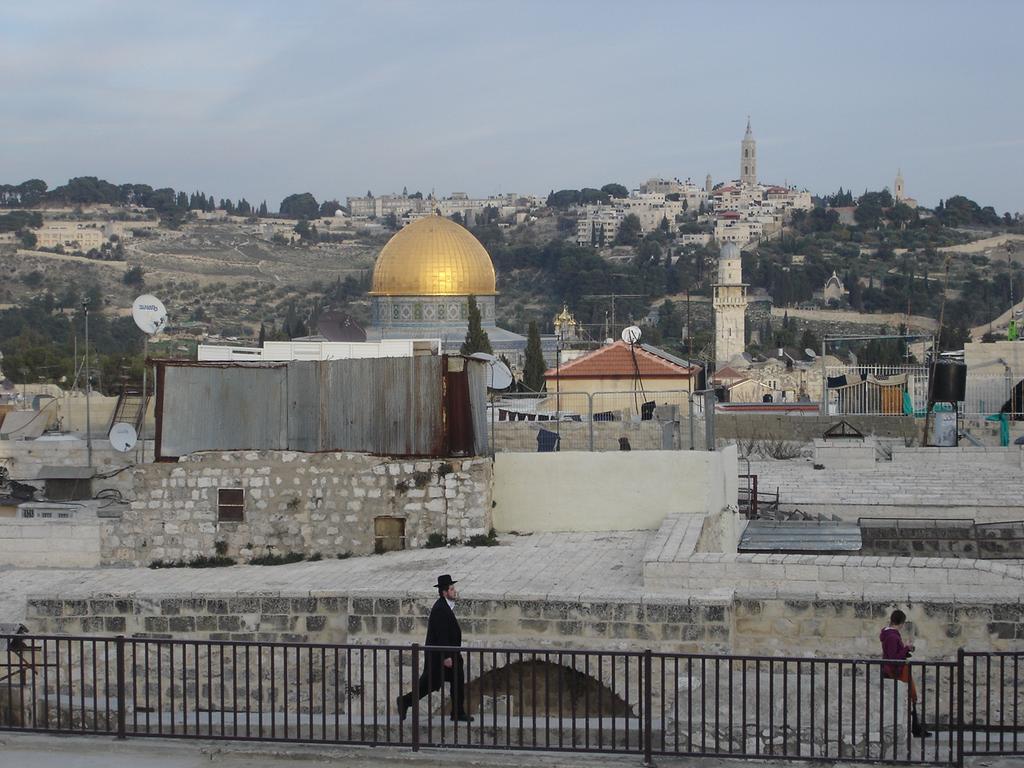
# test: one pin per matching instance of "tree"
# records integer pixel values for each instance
(476, 336)
(629, 230)
(534, 365)
(615, 190)
(134, 276)
(329, 207)
(300, 206)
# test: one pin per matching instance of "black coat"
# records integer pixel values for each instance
(442, 629)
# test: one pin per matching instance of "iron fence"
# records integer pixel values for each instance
(635, 702)
(992, 703)
(601, 421)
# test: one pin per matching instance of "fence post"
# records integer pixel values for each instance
(590, 415)
(960, 707)
(415, 699)
(119, 656)
(709, 420)
(693, 438)
(648, 703)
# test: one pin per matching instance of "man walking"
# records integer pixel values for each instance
(442, 630)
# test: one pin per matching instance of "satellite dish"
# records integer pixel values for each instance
(631, 335)
(810, 353)
(149, 314)
(498, 374)
(122, 437)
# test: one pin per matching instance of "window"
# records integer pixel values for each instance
(388, 534)
(230, 505)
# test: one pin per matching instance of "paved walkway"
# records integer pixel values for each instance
(562, 565)
(37, 751)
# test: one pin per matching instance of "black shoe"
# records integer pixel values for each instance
(917, 729)
(401, 707)
(463, 718)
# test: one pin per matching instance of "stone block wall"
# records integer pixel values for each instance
(942, 538)
(49, 543)
(295, 502)
(805, 428)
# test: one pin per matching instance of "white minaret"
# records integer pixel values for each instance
(730, 305)
(748, 158)
(898, 194)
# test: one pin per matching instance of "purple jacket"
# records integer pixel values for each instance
(892, 648)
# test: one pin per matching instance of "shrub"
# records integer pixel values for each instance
(271, 558)
(435, 540)
(482, 540)
(199, 561)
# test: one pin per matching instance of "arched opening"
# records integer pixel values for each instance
(535, 687)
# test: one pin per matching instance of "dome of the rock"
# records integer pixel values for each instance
(433, 256)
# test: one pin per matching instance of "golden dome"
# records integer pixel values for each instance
(433, 256)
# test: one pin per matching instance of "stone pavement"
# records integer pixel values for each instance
(559, 565)
(37, 751)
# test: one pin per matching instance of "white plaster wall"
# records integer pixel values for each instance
(49, 543)
(626, 490)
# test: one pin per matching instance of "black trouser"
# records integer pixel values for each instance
(431, 681)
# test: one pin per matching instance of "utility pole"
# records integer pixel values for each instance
(88, 384)
(613, 296)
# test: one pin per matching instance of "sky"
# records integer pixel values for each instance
(263, 99)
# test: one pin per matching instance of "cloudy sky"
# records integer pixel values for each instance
(262, 99)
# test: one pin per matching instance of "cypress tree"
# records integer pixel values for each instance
(476, 336)
(534, 366)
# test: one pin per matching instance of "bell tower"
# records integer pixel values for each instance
(748, 158)
(898, 191)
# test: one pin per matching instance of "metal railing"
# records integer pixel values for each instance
(985, 395)
(636, 702)
(601, 421)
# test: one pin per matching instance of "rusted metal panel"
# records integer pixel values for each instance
(476, 373)
(223, 408)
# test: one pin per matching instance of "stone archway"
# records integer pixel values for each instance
(532, 687)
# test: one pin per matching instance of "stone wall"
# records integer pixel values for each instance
(49, 543)
(836, 573)
(295, 502)
(25, 458)
(584, 491)
(918, 456)
(759, 619)
(942, 538)
(805, 428)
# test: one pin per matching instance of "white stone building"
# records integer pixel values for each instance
(78, 236)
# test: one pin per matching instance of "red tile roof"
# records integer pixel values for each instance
(615, 361)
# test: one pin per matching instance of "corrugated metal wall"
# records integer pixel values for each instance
(223, 408)
(389, 406)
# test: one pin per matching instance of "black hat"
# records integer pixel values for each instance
(444, 581)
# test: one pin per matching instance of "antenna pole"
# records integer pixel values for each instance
(88, 384)
(145, 401)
